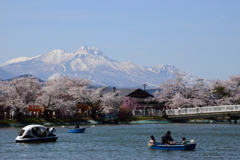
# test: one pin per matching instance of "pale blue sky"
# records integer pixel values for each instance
(201, 37)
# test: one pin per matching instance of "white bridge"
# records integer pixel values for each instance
(199, 110)
(230, 112)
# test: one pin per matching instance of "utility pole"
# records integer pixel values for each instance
(114, 90)
(144, 86)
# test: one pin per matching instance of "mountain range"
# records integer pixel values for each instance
(90, 63)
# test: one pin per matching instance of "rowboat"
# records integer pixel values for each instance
(158, 145)
(36, 133)
(77, 130)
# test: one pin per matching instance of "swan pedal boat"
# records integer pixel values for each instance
(36, 133)
(187, 147)
(77, 130)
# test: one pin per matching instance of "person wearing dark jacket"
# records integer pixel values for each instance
(168, 139)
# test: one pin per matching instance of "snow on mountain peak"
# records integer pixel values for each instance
(17, 60)
(89, 50)
(56, 56)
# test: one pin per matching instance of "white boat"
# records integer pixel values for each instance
(36, 133)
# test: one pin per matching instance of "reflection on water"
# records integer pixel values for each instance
(214, 141)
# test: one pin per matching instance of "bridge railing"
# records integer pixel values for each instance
(199, 110)
(148, 113)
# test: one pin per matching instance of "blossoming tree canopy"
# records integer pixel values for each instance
(130, 103)
(177, 93)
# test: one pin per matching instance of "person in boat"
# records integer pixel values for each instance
(183, 142)
(152, 140)
(77, 126)
(168, 139)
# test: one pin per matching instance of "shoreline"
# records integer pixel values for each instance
(88, 122)
(93, 122)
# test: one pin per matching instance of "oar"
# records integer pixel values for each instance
(191, 141)
(89, 126)
(66, 127)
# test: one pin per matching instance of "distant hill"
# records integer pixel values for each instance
(90, 63)
(24, 76)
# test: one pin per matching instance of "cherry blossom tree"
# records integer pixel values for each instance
(89, 96)
(233, 86)
(177, 93)
(204, 96)
(19, 93)
(57, 93)
(65, 93)
(227, 92)
(220, 92)
(130, 103)
(2, 99)
(111, 102)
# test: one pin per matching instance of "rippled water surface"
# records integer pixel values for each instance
(122, 142)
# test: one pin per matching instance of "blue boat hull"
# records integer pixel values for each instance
(79, 130)
(187, 147)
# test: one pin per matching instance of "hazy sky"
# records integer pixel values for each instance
(199, 36)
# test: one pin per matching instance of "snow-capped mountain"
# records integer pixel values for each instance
(91, 63)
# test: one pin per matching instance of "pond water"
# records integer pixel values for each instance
(118, 142)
